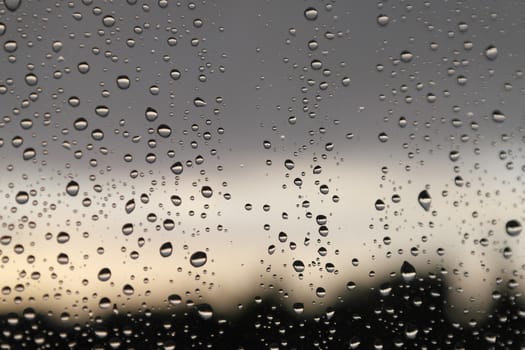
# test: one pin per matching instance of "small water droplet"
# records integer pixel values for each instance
(406, 56)
(199, 102)
(289, 164)
(130, 206)
(29, 153)
(205, 311)
(298, 266)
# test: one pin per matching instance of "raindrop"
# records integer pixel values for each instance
(198, 259)
(199, 102)
(383, 20)
(22, 197)
(123, 82)
(127, 229)
(406, 56)
(298, 266)
(289, 164)
(31, 79)
(80, 124)
(498, 116)
(491, 52)
(206, 191)
(177, 169)
(63, 237)
(320, 292)
(83, 67)
(166, 249)
(298, 308)
(205, 311)
(108, 21)
(72, 188)
(176, 200)
(174, 299)
(12, 5)
(408, 272)
(104, 274)
(424, 200)
(311, 14)
(380, 205)
(29, 153)
(163, 130)
(513, 228)
(175, 74)
(130, 206)
(151, 114)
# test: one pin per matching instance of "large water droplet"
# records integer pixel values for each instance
(72, 188)
(130, 206)
(408, 272)
(22, 197)
(104, 274)
(491, 52)
(311, 14)
(177, 168)
(166, 249)
(424, 200)
(205, 311)
(383, 20)
(12, 5)
(298, 266)
(123, 82)
(198, 259)
(498, 116)
(513, 227)
(206, 191)
(29, 153)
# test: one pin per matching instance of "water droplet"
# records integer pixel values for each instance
(380, 205)
(498, 116)
(72, 188)
(151, 114)
(298, 266)
(102, 111)
(130, 206)
(199, 102)
(104, 303)
(31, 79)
(205, 311)
(104, 274)
(320, 292)
(311, 14)
(62, 258)
(198, 259)
(22, 197)
(383, 137)
(174, 299)
(127, 229)
(80, 124)
(298, 308)
(424, 200)
(345, 81)
(128, 289)
(406, 56)
(164, 131)
(10, 46)
(83, 67)
(176, 200)
(289, 164)
(491, 52)
(12, 5)
(108, 21)
(177, 168)
(408, 272)
(63, 237)
(166, 249)
(175, 74)
(29, 153)
(383, 20)
(206, 191)
(123, 82)
(513, 228)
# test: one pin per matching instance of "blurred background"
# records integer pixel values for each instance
(349, 168)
